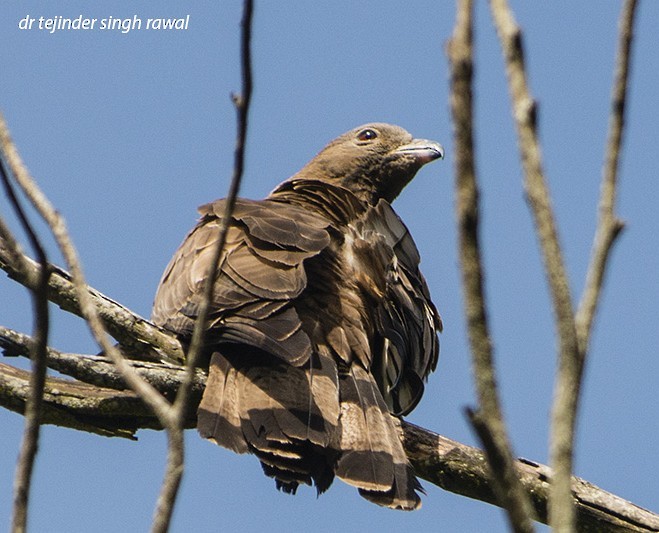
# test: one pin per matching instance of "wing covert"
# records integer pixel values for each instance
(261, 270)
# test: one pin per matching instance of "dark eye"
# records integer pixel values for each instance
(367, 135)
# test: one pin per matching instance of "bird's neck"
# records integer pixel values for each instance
(336, 203)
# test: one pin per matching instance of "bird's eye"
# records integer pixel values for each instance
(367, 135)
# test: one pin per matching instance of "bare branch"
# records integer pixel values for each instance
(489, 420)
(443, 462)
(135, 333)
(11, 253)
(570, 358)
(465, 470)
(30, 442)
(175, 448)
(241, 103)
(242, 109)
(608, 226)
(120, 412)
(573, 332)
(98, 370)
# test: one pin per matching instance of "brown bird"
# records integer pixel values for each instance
(321, 331)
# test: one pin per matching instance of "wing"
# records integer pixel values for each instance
(260, 271)
(406, 321)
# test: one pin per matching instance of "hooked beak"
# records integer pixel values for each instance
(422, 150)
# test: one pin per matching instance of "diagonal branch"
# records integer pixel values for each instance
(488, 422)
(135, 333)
(570, 354)
(608, 226)
(573, 332)
(87, 308)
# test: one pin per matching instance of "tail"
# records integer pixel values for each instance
(307, 424)
(287, 416)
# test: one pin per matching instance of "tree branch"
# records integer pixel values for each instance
(608, 226)
(86, 302)
(573, 332)
(571, 353)
(443, 462)
(137, 335)
(87, 306)
(30, 442)
(175, 447)
(100, 402)
(488, 422)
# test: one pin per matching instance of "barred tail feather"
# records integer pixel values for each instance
(403, 494)
(218, 418)
(373, 458)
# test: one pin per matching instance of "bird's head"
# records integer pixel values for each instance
(373, 161)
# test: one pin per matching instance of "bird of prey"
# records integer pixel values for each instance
(321, 330)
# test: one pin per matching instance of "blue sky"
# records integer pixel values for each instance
(129, 133)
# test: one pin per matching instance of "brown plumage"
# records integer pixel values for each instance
(321, 330)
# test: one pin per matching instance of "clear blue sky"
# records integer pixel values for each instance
(129, 133)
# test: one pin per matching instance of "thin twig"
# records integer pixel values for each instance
(562, 513)
(609, 226)
(171, 480)
(38, 349)
(489, 420)
(241, 103)
(573, 332)
(175, 451)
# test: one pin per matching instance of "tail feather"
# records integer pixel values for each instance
(218, 417)
(314, 466)
(302, 400)
(373, 458)
(366, 452)
(402, 495)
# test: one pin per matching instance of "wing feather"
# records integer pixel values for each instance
(261, 265)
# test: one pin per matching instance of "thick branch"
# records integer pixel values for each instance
(464, 470)
(131, 330)
(448, 464)
(100, 371)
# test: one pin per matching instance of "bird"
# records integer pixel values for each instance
(321, 330)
